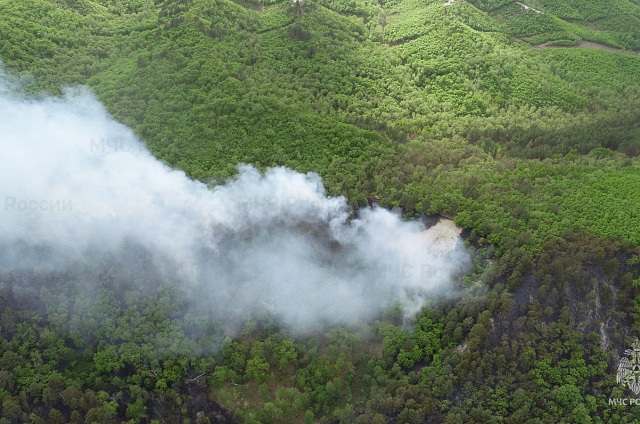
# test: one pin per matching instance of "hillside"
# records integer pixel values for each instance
(518, 119)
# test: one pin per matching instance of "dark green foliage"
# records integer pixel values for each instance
(432, 108)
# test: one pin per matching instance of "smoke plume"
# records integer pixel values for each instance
(75, 180)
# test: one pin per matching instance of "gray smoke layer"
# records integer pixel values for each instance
(74, 179)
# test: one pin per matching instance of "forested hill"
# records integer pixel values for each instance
(519, 119)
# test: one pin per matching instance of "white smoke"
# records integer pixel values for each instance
(75, 179)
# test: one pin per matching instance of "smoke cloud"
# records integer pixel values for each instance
(76, 180)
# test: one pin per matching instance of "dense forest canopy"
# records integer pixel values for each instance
(520, 120)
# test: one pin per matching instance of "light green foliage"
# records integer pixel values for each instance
(433, 108)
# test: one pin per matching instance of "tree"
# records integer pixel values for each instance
(11, 408)
(100, 415)
(106, 359)
(136, 410)
(257, 369)
(56, 417)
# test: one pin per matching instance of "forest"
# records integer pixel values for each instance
(519, 120)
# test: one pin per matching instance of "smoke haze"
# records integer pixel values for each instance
(75, 180)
